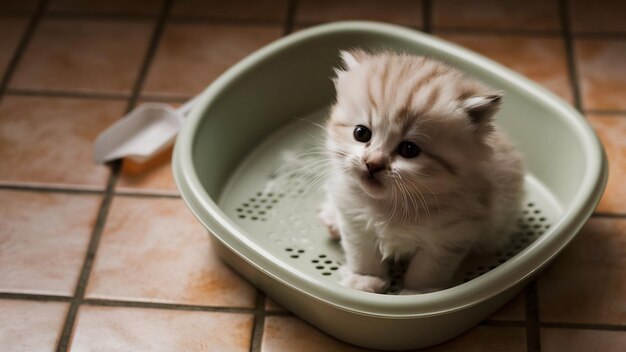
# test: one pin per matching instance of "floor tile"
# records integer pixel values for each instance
(11, 31)
(558, 340)
(612, 132)
(602, 72)
(586, 283)
(275, 10)
(494, 14)
(31, 326)
(486, 338)
(190, 56)
(109, 59)
(48, 141)
(515, 310)
(540, 59)
(403, 12)
(44, 240)
(286, 334)
(154, 250)
(594, 16)
(140, 329)
(118, 7)
(292, 334)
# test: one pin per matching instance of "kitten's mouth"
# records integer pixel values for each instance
(372, 185)
(371, 180)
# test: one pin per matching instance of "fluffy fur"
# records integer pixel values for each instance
(462, 191)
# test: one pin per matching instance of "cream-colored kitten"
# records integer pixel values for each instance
(420, 170)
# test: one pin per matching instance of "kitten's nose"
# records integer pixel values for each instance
(373, 166)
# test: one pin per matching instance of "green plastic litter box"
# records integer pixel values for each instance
(232, 147)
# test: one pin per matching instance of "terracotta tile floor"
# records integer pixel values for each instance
(109, 258)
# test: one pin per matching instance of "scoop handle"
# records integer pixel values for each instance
(184, 109)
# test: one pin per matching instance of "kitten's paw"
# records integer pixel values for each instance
(367, 283)
(327, 216)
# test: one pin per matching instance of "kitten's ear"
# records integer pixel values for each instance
(482, 108)
(351, 58)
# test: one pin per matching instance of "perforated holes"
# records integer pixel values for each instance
(294, 253)
(530, 225)
(326, 266)
(257, 207)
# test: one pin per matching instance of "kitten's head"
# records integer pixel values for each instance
(404, 125)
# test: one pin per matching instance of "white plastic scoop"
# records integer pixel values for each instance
(143, 132)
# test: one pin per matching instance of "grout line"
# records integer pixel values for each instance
(605, 112)
(600, 35)
(49, 189)
(69, 190)
(225, 21)
(167, 306)
(259, 322)
(148, 305)
(68, 326)
(531, 32)
(533, 338)
(95, 95)
(34, 297)
(427, 15)
(21, 47)
(511, 323)
(15, 14)
(257, 312)
(292, 7)
(495, 32)
(152, 48)
(584, 326)
(12, 13)
(97, 16)
(570, 52)
(191, 19)
(146, 194)
(65, 94)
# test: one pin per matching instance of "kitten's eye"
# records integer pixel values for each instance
(408, 150)
(362, 134)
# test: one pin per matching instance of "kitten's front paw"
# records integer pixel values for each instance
(367, 283)
(327, 216)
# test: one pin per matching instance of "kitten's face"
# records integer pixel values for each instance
(406, 127)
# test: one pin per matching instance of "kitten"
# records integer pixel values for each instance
(419, 171)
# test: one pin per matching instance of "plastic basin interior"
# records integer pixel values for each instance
(231, 145)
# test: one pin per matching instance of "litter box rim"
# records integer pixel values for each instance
(513, 272)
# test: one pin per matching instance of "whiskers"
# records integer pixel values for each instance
(408, 200)
(304, 171)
